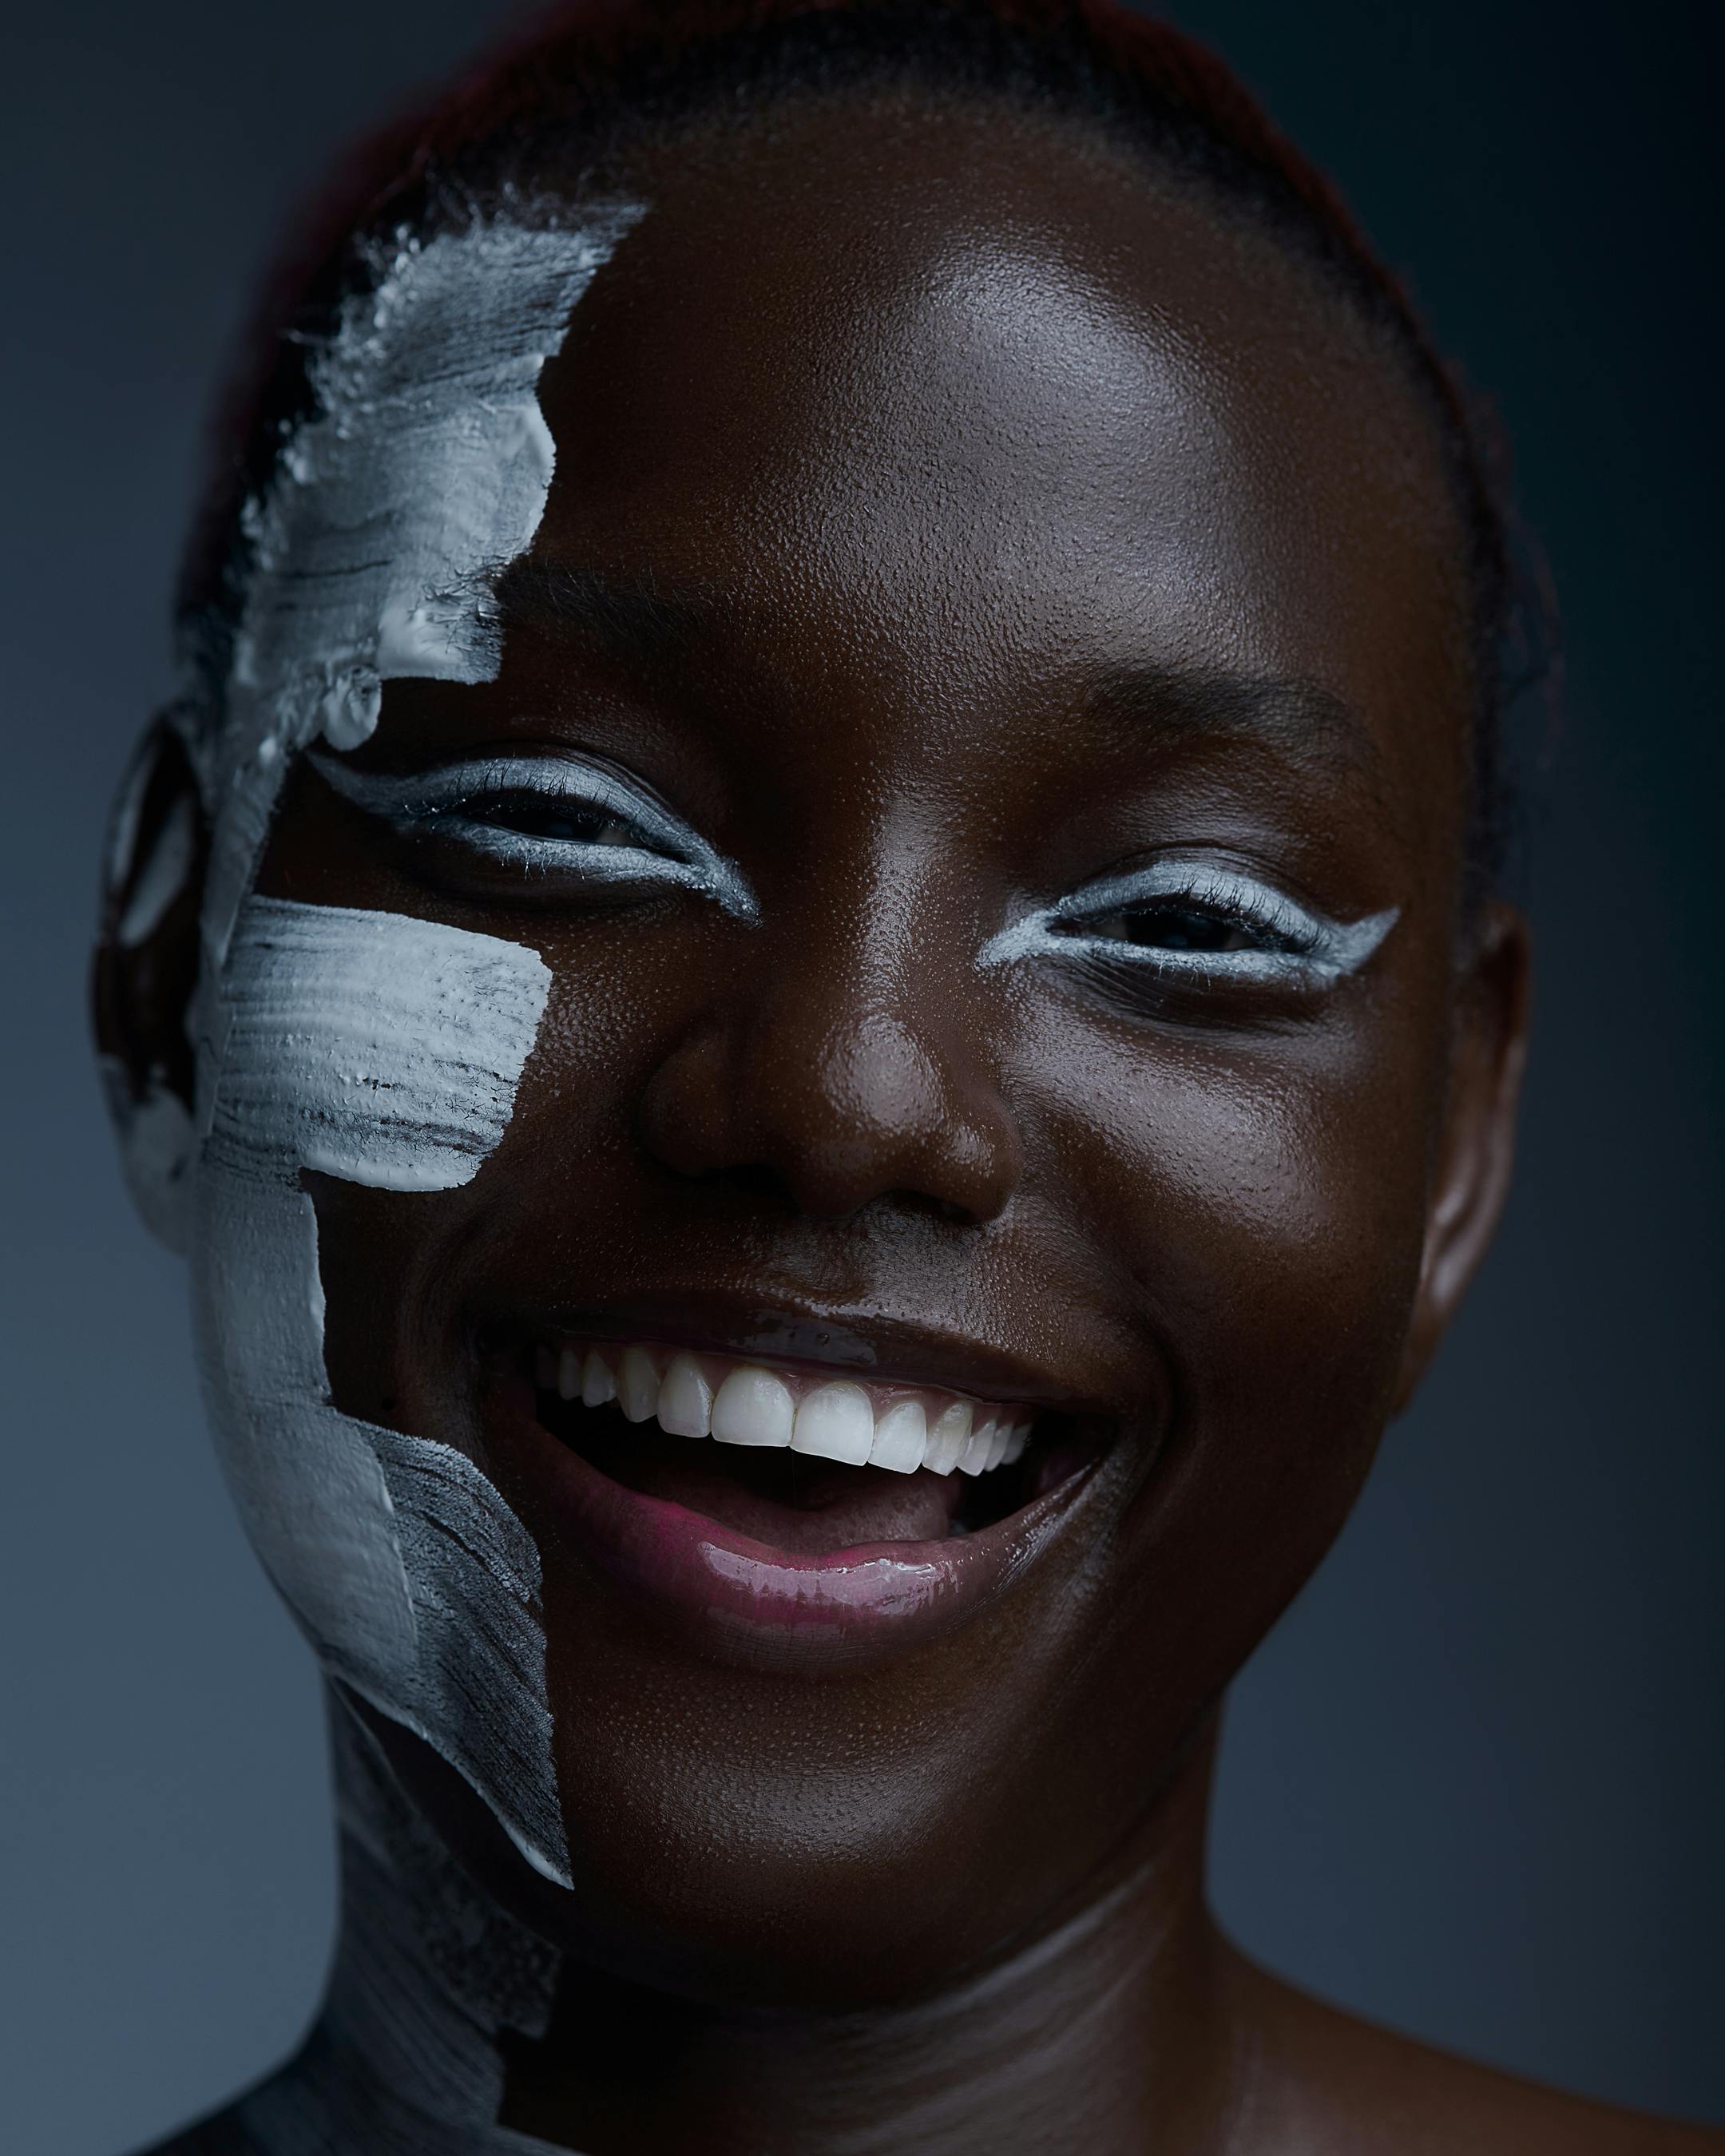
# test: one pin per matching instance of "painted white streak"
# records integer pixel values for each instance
(431, 1973)
(380, 1048)
(426, 469)
(158, 1142)
(387, 1051)
(161, 876)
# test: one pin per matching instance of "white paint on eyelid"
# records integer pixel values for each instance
(1338, 947)
(676, 854)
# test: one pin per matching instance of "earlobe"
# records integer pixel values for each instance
(145, 972)
(1478, 1150)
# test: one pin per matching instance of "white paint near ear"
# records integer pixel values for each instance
(424, 470)
(162, 876)
(157, 1145)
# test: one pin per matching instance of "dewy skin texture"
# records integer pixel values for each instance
(386, 1051)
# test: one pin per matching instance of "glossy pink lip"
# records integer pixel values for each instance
(749, 1602)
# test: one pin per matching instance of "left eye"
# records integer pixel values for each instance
(1176, 927)
(1184, 925)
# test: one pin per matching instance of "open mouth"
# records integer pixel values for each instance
(795, 1458)
(770, 1498)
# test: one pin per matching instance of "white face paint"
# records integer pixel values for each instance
(365, 1045)
(385, 1052)
(424, 470)
(1196, 922)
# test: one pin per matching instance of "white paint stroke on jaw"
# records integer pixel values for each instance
(385, 1052)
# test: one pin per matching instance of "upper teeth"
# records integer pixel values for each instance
(897, 1426)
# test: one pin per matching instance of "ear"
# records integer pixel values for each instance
(1478, 1146)
(145, 974)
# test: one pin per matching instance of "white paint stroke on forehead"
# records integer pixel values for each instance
(424, 470)
(386, 1051)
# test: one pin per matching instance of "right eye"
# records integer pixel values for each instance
(532, 816)
(546, 829)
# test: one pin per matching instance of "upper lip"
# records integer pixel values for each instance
(885, 1345)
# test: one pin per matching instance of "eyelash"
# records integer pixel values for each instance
(1290, 946)
(467, 804)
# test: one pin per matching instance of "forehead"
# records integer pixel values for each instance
(984, 395)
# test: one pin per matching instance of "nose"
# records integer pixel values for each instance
(843, 1072)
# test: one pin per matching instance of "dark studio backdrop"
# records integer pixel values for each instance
(1474, 1783)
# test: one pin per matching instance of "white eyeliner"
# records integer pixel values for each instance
(1303, 946)
(674, 855)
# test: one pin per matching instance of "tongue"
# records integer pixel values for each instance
(790, 1501)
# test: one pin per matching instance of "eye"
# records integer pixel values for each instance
(1203, 925)
(544, 830)
(535, 817)
(1175, 926)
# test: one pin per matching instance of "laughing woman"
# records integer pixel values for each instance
(813, 974)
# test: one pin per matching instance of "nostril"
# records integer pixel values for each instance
(831, 1124)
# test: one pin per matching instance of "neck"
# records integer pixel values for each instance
(450, 2027)
(432, 1977)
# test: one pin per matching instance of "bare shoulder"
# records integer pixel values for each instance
(1324, 2082)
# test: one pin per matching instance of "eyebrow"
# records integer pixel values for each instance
(1299, 716)
(632, 617)
(641, 618)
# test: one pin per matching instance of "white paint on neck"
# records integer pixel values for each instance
(406, 2058)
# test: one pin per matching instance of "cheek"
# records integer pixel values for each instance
(1262, 1206)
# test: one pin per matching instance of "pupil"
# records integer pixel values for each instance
(1170, 929)
(548, 819)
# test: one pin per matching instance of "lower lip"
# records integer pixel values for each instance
(839, 1608)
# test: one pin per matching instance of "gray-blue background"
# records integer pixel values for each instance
(1474, 1784)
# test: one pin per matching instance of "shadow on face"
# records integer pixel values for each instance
(1035, 609)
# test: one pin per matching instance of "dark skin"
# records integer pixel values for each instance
(958, 488)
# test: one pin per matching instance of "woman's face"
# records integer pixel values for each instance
(1033, 609)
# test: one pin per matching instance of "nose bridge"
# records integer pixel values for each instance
(846, 1061)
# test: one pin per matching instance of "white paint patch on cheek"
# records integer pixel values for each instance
(386, 1051)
